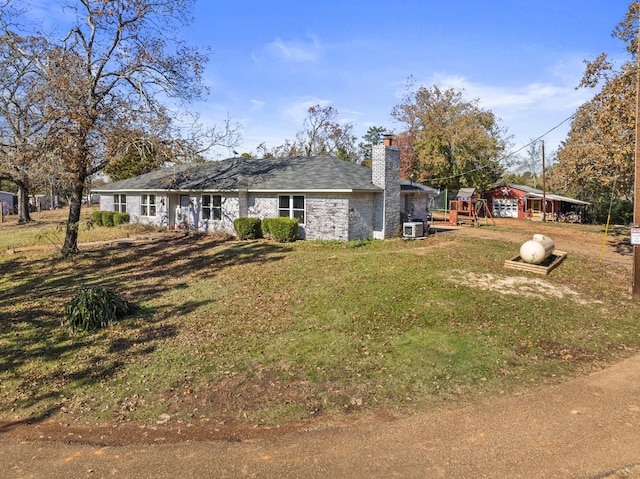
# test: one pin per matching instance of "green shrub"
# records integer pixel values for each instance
(107, 218)
(266, 226)
(95, 308)
(120, 218)
(96, 217)
(282, 230)
(248, 228)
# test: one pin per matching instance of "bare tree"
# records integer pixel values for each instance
(322, 134)
(23, 127)
(115, 69)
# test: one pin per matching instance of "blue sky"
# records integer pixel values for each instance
(272, 60)
(521, 59)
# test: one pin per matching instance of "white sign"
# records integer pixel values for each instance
(635, 236)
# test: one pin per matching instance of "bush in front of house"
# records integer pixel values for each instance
(265, 224)
(248, 228)
(95, 308)
(96, 217)
(107, 218)
(282, 230)
(120, 218)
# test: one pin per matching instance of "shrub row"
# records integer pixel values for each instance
(282, 230)
(109, 218)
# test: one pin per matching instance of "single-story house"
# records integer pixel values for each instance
(8, 202)
(44, 202)
(332, 199)
(519, 201)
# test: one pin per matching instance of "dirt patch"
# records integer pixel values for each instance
(518, 285)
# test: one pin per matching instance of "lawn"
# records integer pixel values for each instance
(264, 334)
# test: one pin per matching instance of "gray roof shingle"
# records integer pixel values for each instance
(319, 173)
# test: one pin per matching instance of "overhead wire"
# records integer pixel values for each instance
(509, 155)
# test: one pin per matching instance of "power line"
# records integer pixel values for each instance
(509, 155)
(542, 136)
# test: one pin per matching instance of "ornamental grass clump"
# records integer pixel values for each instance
(95, 308)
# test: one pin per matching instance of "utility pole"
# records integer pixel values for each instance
(544, 188)
(636, 186)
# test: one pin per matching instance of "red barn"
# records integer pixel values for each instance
(518, 201)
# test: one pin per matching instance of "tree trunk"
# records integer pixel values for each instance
(70, 246)
(23, 203)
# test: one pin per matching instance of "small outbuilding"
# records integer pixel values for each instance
(8, 202)
(519, 201)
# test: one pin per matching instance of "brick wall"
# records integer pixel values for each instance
(361, 216)
(386, 175)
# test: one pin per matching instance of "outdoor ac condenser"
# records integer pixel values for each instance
(412, 230)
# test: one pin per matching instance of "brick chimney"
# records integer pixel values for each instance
(386, 174)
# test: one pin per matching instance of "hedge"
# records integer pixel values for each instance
(96, 217)
(107, 218)
(120, 218)
(282, 230)
(248, 228)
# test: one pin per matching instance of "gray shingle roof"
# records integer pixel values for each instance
(319, 173)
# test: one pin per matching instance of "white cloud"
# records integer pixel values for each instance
(512, 101)
(527, 110)
(296, 52)
(257, 105)
(298, 111)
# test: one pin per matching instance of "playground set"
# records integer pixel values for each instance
(468, 208)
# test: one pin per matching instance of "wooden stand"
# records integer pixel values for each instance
(545, 267)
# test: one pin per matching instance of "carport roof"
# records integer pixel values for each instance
(536, 193)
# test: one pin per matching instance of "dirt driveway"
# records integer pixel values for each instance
(585, 428)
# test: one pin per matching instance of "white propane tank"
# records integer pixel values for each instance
(536, 250)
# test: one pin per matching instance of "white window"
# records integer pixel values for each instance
(292, 206)
(120, 202)
(148, 205)
(211, 207)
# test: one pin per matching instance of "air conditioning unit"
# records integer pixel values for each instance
(412, 230)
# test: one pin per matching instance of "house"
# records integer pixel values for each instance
(332, 199)
(44, 202)
(519, 201)
(8, 202)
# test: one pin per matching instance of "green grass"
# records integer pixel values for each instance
(264, 333)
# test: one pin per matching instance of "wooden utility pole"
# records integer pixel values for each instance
(636, 186)
(544, 188)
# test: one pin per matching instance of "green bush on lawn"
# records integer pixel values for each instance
(282, 230)
(120, 218)
(248, 228)
(107, 218)
(96, 217)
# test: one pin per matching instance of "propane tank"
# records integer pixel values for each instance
(536, 250)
